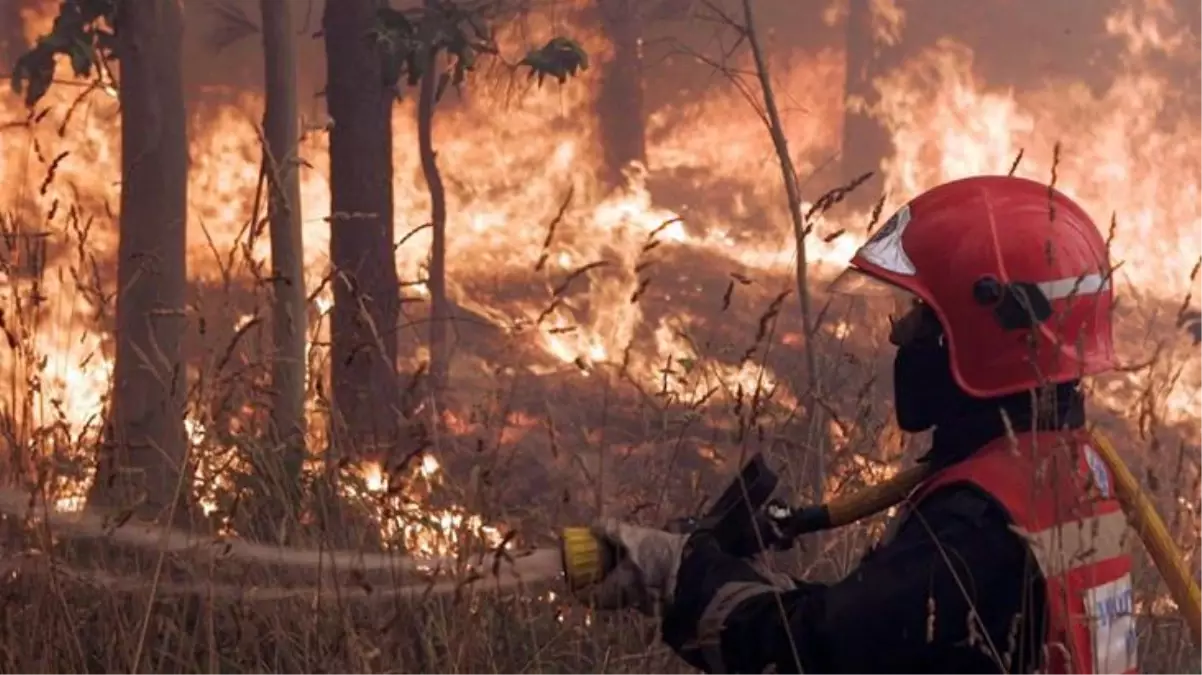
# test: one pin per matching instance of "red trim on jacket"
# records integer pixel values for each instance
(1059, 495)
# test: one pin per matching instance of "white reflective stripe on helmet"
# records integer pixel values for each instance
(885, 249)
(1086, 284)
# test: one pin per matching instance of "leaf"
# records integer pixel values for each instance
(33, 73)
(560, 58)
(77, 33)
(81, 56)
(395, 21)
(395, 38)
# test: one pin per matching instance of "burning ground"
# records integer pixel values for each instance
(621, 349)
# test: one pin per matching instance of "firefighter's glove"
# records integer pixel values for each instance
(644, 577)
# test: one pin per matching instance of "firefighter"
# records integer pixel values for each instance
(1011, 557)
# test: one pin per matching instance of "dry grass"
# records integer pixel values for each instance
(525, 453)
(517, 453)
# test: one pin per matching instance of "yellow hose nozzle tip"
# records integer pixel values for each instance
(583, 562)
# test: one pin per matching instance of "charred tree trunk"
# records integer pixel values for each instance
(439, 307)
(620, 100)
(282, 133)
(866, 143)
(366, 296)
(146, 448)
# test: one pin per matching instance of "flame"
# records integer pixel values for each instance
(421, 530)
(510, 152)
(888, 20)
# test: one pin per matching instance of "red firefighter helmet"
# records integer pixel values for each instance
(1016, 272)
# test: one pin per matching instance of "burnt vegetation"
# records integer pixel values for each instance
(259, 369)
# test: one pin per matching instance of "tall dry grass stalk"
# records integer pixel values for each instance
(519, 455)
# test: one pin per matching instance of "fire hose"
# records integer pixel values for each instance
(746, 520)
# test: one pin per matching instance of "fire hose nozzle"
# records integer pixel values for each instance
(586, 560)
(744, 520)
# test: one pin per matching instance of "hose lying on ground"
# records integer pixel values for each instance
(89, 525)
(537, 567)
(547, 564)
(487, 572)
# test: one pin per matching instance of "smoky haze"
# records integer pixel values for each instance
(1016, 43)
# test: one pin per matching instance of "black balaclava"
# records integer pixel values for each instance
(926, 395)
(924, 391)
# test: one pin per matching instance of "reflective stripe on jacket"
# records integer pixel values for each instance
(1059, 495)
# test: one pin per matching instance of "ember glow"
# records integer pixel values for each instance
(419, 529)
(1121, 150)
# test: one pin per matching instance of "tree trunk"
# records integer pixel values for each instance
(366, 295)
(866, 143)
(146, 448)
(282, 133)
(620, 99)
(12, 34)
(439, 307)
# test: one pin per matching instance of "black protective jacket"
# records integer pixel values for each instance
(954, 590)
